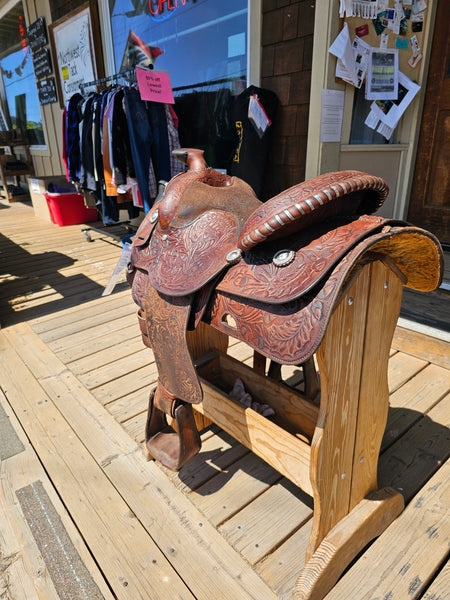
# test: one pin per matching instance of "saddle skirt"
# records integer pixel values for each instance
(290, 332)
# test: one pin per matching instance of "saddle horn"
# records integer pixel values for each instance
(192, 157)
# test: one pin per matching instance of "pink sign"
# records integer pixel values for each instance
(155, 86)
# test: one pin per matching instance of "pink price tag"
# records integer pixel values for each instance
(155, 86)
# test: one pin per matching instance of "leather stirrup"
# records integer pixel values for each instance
(172, 448)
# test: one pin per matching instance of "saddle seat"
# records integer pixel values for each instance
(206, 220)
(269, 274)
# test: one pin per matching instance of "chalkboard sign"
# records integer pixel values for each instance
(46, 90)
(37, 35)
(41, 63)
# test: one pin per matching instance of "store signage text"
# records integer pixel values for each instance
(164, 8)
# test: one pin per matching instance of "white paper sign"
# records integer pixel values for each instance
(73, 42)
(257, 115)
(34, 185)
(342, 49)
(332, 115)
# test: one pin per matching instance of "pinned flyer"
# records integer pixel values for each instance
(382, 75)
(366, 9)
(352, 58)
(342, 49)
(155, 86)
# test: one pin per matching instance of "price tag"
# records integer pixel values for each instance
(154, 86)
(258, 116)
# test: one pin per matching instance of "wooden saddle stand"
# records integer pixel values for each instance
(308, 272)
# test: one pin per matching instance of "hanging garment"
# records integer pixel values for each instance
(140, 142)
(160, 141)
(110, 189)
(64, 142)
(251, 157)
(176, 166)
(120, 142)
(73, 149)
(116, 140)
(96, 138)
(206, 122)
(87, 178)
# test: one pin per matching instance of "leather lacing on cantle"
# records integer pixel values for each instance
(313, 202)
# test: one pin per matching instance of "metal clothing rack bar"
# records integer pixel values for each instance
(115, 227)
(107, 79)
(205, 83)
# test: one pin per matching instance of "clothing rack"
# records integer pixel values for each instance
(103, 80)
(114, 229)
(116, 226)
(175, 89)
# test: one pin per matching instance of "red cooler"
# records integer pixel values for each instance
(69, 209)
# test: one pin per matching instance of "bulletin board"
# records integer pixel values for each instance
(374, 39)
(383, 45)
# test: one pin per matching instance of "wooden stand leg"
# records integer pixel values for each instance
(201, 341)
(364, 523)
(353, 361)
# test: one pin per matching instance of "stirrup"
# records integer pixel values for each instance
(172, 448)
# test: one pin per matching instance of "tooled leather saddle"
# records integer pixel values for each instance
(269, 274)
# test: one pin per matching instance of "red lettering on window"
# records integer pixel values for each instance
(153, 10)
(157, 6)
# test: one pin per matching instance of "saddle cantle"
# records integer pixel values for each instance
(269, 274)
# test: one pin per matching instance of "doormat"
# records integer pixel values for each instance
(69, 574)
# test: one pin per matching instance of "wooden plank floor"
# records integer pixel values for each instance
(74, 380)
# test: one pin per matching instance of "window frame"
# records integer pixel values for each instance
(3, 11)
(254, 8)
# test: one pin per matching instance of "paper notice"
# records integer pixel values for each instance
(342, 49)
(332, 115)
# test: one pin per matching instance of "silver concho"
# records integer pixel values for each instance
(234, 256)
(154, 217)
(282, 258)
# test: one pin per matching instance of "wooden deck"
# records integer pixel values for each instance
(84, 515)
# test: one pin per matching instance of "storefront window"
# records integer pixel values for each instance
(19, 86)
(202, 40)
(203, 46)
